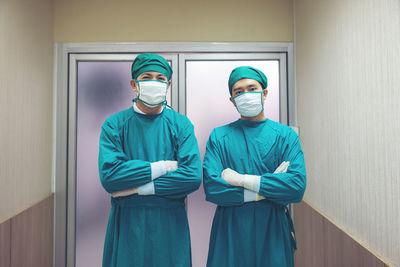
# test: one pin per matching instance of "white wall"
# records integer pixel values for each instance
(26, 71)
(348, 82)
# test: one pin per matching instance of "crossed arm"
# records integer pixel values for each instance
(121, 176)
(226, 187)
(248, 181)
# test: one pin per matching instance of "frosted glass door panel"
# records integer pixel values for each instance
(103, 89)
(208, 106)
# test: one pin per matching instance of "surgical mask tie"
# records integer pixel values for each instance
(152, 92)
(249, 104)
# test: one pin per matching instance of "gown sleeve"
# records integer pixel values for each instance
(289, 187)
(187, 177)
(217, 190)
(116, 171)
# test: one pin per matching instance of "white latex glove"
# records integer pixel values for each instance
(236, 179)
(259, 197)
(125, 193)
(232, 177)
(283, 167)
(171, 165)
(159, 168)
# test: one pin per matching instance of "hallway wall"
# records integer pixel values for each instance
(348, 80)
(26, 76)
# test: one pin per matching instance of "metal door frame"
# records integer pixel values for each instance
(66, 57)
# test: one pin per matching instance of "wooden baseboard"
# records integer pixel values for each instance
(322, 244)
(27, 238)
(5, 243)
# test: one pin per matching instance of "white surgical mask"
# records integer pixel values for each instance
(152, 92)
(249, 104)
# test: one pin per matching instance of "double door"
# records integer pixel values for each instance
(98, 86)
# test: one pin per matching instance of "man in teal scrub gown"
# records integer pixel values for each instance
(253, 168)
(149, 161)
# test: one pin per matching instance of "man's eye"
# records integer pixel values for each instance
(238, 92)
(252, 89)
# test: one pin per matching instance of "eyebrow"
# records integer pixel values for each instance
(248, 86)
(150, 74)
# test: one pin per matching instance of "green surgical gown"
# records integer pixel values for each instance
(148, 230)
(245, 232)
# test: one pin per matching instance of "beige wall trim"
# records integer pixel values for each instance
(305, 205)
(207, 20)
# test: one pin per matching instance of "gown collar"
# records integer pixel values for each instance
(252, 123)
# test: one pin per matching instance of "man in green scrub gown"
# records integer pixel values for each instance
(149, 161)
(253, 168)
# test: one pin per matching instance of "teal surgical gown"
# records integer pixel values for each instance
(148, 230)
(245, 232)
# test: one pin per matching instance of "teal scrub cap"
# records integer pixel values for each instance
(249, 73)
(150, 62)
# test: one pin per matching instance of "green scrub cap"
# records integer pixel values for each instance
(249, 73)
(150, 62)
